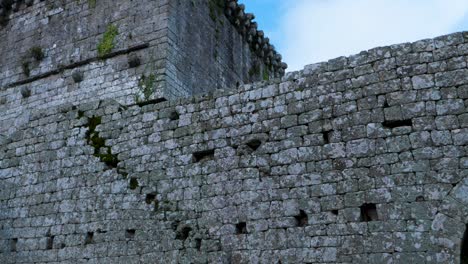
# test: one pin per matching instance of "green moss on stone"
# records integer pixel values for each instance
(109, 159)
(92, 3)
(216, 8)
(266, 75)
(103, 152)
(37, 53)
(106, 44)
(254, 70)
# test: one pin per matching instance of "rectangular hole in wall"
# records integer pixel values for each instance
(326, 137)
(464, 247)
(50, 242)
(397, 123)
(150, 197)
(301, 219)
(241, 228)
(203, 155)
(198, 243)
(254, 144)
(13, 243)
(130, 233)
(369, 213)
(183, 232)
(89, 238)
(154, 101)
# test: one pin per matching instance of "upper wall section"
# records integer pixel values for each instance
(47, 36)
(214, 44)
(55, 52)
(130, 51)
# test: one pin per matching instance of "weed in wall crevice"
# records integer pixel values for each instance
(25, 68)
(37, 53)
(216, 8)
(254, 70)
(31, 59)
(146, 85)
(103, 152)
(266, 74)
(106, 44)
(91, 3)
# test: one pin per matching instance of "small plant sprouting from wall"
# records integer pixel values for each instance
(31, 58)
(254, 70)
(216, 8)
(146, 85)
(266, 75)
(106, 44)
(101, 151)
(25, 68)
(92, 3)
(37, 53)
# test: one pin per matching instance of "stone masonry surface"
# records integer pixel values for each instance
(62, 51)
(361, 159)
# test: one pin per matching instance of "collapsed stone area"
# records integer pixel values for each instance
(361, 159)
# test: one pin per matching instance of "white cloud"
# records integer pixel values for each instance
(318, 30)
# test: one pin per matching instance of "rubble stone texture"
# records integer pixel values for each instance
(361, 159)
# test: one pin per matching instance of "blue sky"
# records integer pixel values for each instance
(310, 31)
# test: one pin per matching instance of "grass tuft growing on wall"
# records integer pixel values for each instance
(92, 3)
(106, 44)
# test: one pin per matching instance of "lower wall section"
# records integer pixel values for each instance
(356, 160)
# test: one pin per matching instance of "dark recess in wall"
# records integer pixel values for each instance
(464, 248)
(254, 144)
(301, 219)
(326, 137)
(369, 213)
(183, 233)
(203, 155)
(13, 243)
(241, 228)
(130, 233)
(50, 242)
(397, 123)
(89, 238)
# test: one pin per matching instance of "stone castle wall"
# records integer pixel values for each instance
(50, 53)
(55, 52)
(361, 159)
